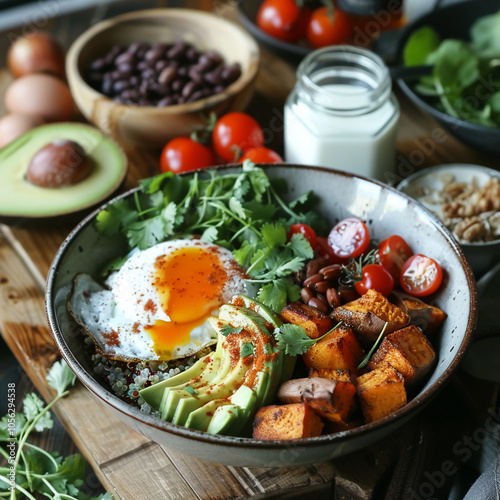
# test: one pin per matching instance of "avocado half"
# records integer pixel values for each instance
(21, 201)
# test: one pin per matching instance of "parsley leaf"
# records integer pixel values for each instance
(114, 216)
(246, 350)
(60, 376)
(227, 329)
(293, 340)
(146, 233)
(33, 407)
(273, 234)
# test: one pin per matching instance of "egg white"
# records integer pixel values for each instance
(115, 315)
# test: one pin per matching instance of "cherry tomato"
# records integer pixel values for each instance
(421, 275)
(283, 19)
(306, 230)
(183, 154)
(349, 238)
(393, 252)
(323, 30)
(261, 155)
(236, 130)
(377, 277)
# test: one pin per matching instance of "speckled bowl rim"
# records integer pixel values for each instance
(117, 404)
(450, 167)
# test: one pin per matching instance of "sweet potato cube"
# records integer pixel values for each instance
(314, 322)
(381, 392)
(291, 421)
(340, 406)
(368, 315)
(429, 318)
(407, 350)
(331, 373)
(339, 350)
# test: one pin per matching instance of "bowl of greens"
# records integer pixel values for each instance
(119, 270)
(462, 89)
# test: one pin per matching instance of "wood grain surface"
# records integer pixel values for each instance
(131, 466)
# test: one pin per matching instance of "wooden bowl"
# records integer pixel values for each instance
(148, 126)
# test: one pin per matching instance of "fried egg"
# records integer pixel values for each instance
(157, 305)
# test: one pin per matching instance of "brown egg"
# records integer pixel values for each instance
(59, 163)
(13, 126)
(35, 53)
(41, 95)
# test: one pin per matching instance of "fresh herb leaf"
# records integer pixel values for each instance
(115, 216)
(8, 432)
(228, 329)
(301, 247)
(190, 390)
(61, 377)
(33, 408)
(146, 233)
(422, 42)
(246, 350)
(274, 295)
(293, 340)
(274, 234)
(153, 184)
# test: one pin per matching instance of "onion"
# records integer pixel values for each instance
(37, 52)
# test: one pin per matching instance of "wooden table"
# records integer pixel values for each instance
(135, 468)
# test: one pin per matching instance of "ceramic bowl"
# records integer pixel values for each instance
(148, 126)
(481, 256)
(386, 211)
(464, 14)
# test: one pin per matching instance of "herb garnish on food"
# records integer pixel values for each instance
(241, 211)
(34, 470)
(465, 82)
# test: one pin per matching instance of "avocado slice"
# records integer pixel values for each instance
(223, 419)
(201, 417)
(21, 199)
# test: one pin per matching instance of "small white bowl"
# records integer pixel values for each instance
(481, 256)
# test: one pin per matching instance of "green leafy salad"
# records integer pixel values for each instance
(465, 81)
(243, 212)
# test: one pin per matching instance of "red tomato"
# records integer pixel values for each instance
(393, 252)
(183, 154)
(306, 230)
(261, 155)
(283, 19)
(349, 238)
(421, 275)
(323, 30)
(236, 130)
(324, 251)
(377, 277)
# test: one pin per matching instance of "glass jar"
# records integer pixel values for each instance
(342, 113)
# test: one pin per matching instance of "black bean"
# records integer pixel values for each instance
(213, 77)
(198, 94)
(177, 51)
(177, 85)
(231, 73)
(125, 58)
(120, 85)
(161, 65)
(167, 75)
(99, 64)
(142, 65)
(188, 89)
(107, 86)
(195, 76)
(166, 101)
(192, 54)
(153, 55)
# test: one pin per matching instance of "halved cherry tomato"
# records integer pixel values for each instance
(349, 238)
(234, 131)
(393, 252)
(283, 19)
(324, 29)
(377, 277)
(324, 251)
(421, 275)
(261, 155)
(306, 230)
(182, 154)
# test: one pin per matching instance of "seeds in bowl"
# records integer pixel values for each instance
(160, 74)
(470, 211)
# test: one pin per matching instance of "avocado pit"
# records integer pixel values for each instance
(62, 162)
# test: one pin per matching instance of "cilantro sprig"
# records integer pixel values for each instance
(34, 470)
(293, 340)
(242, 211)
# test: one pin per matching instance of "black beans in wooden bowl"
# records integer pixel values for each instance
(160, 74)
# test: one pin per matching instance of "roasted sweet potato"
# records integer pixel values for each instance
(314, 322)
(331, 373)
(368, 315)
(339, 350)
(407, 350)
(291, 421)
(381, 392)
(332, 400)
(427, 317)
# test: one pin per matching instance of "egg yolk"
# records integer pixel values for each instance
(189, 283)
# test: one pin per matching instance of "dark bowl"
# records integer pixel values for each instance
(453, 21)
(247, 15)
(341, 195)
